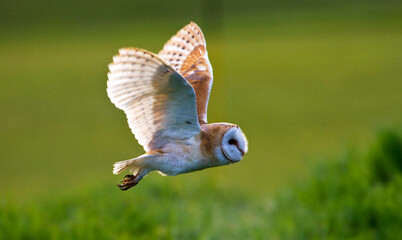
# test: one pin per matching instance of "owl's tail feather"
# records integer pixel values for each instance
(134, 164)
(118, 167)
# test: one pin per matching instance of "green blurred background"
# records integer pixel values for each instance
(303, 79)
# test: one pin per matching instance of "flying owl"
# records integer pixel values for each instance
(165, 98)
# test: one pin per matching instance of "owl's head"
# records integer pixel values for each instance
(234, 144)
(223, 143)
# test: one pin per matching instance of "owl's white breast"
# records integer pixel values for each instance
(195, 153)
(185, 156)
(181, 157)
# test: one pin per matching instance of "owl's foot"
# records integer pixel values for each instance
(128, 182)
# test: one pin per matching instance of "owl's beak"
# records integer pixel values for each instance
(241, 151)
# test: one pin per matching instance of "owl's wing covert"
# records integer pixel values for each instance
(159, 103)
(186, 52)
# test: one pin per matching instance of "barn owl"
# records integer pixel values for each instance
(165, 98)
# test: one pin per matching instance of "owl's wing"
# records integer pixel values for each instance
(159, 103)
(186, 52)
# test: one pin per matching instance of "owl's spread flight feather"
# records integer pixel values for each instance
(186, 52)
(159, 103)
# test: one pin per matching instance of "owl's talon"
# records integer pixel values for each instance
(128, 182)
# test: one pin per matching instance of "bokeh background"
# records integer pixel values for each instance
(306, 80)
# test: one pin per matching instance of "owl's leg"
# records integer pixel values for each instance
(130, 181)
(139, 166)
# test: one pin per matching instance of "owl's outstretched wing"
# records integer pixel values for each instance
(159, 103)
(186, 52)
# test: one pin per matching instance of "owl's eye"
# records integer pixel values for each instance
(232, 141)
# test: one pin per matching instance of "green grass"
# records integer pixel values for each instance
(356, 197)
(192, 211)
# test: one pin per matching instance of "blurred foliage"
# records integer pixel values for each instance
(345, 199)
(358, 197)
(301, 78)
